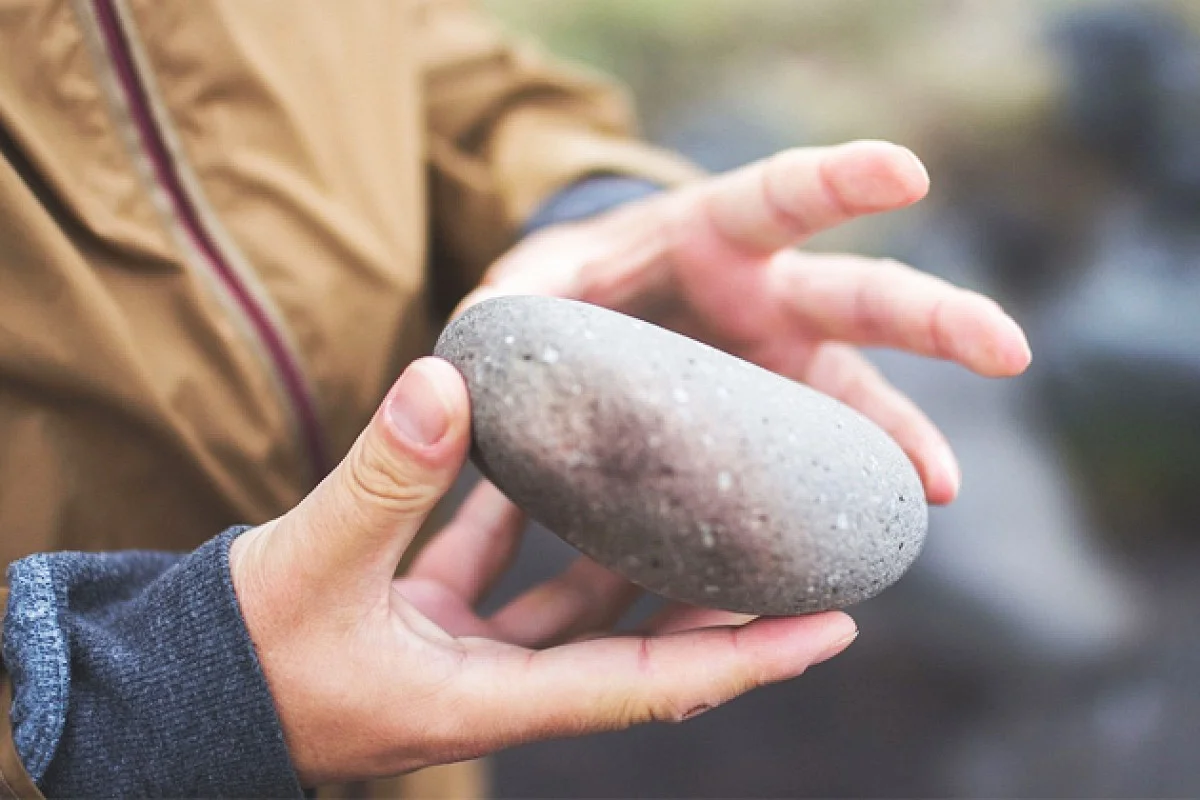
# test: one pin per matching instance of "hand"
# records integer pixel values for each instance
(374, 675)
(715, 261)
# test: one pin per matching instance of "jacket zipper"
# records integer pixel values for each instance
(284, 362)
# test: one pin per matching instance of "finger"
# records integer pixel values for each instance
(476, 547)
(842, 372)
(612, 683)
(357, 523)
(788, 198)
(684, 617)
(884, 303)
(586, 596)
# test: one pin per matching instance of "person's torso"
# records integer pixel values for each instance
(212, 238)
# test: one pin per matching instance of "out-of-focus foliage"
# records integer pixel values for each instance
(914, 71)
(841, 68)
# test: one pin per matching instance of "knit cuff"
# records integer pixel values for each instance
(134, 675)
(588, 197)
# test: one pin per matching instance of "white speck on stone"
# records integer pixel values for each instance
(711, 589)
(508, 399)
(791, 438)
(707, 440)
(724, 481)
(576, 389)
(722, 392)
(587, 334)
(654, 441)
(843, 522)
(550, 355)
(706, 536)
(680, 395)
(509, 339)
(822, 497)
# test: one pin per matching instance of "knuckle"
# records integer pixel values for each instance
(378, 479)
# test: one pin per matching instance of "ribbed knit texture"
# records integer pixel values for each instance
(164, 695)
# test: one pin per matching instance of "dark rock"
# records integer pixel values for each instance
(695, 474)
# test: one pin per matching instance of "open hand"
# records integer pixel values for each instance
(715, 261)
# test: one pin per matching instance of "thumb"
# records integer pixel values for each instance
(363, 516)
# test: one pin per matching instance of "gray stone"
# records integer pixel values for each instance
(697, 475)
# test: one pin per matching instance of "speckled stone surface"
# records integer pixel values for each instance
(695, 474)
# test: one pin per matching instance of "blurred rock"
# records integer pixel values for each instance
(1017, 542)
(1132, 96)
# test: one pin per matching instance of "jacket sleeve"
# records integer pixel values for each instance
(507, 128)
(15, 782)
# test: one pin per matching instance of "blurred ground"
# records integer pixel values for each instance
(1047, 642)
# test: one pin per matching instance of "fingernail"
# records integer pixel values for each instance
(695, 712)
(837, 647)
(415, 410)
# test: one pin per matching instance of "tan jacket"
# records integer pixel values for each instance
(227, 225)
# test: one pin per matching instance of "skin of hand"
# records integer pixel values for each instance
(375, 675)
(716, 260)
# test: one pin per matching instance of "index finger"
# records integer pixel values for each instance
(788, 198)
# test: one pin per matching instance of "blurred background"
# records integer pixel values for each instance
(1048, 641)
